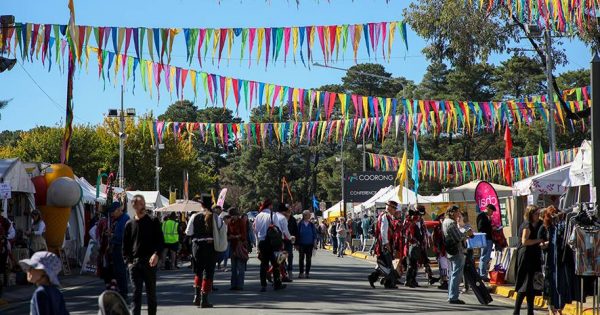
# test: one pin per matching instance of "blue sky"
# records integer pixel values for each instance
(30, 107)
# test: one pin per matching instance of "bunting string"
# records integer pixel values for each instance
(422, 116)
(563, 16)
(290, 43)
(459, 172)
(276, 133)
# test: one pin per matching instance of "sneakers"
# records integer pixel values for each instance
(456, 302)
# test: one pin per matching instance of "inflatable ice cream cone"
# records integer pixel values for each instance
(62, 193)
(56, 219)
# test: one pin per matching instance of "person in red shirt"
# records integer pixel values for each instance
(398, 244)
(237, 234)
(439, 248)
(384, 247)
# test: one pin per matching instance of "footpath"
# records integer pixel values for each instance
(21, 293)
(506, 291)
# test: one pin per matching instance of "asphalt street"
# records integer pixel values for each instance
(337, 286)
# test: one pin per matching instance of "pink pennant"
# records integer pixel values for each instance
(251, 36)
(222, 82)
(210, 88)
(268, 45)
(128, 32)
(184, 73)
(321, 33)
(201, 36)
(222, 39)
(286, 43)
(301, 100)
(332, 38)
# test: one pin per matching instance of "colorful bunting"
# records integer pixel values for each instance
(421, 116)
(160, 40)
(564, 16)
(459, 172)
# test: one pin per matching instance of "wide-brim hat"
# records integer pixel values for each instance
(46, 261)
(392, 203)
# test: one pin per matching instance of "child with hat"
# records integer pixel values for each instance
(42, 270)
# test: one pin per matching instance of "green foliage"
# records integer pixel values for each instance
(181, 111)
(457, 32)
(573, 79)
(519, 77)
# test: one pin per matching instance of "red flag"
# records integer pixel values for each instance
(508, 167)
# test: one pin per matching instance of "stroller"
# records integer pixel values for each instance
(112, 303)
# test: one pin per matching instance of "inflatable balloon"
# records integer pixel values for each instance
(56, 219)
(56, 171)
(39, 182)
(63, 192)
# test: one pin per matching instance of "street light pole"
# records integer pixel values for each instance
(595, 82)
(550, 98)
(157, 167)
(122, 144)
(364, 155)
(342, 160)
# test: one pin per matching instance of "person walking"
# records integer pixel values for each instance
(268, 229)
(289, 240)
(333, 235)
(365, 225)
(143, 242)
(237, 234)
(119, 272)
(555, 283)
(412, 247)
(454, 241)
(484, 225)
(307, 242)
(384, 247)
(170, 228)
(439, 248)
(529, 259)
(341, 230)
(37, 232)
(324, 234)
(204, 257)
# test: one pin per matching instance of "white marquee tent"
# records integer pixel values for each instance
(334, 211)
(466, 192)
(551, 182)
(580, 173)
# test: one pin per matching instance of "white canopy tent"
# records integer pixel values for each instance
(551, 182)
(154, 200)
(182, 206)
(12, 171)
(89, 192)
(466, 192)
(580, 173)
(371, 201)
(334, 211)
(408, 197)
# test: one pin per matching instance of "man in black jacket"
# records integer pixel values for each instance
(484, 225)
(289, 244)
(143, 241)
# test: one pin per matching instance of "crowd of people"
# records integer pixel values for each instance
(402, 241)
(133, 248)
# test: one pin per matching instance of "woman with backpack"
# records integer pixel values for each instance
(270, 240)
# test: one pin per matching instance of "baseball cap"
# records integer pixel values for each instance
(46, 261)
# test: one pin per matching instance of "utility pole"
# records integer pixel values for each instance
(405, 145)
(550, 98)
(157, 167)
(122, 144)
(595, 82)
(342, 161)
(364, 155)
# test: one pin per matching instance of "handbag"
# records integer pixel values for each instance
(538, 281)
(240, 252)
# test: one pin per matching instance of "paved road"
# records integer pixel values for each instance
(337, 286)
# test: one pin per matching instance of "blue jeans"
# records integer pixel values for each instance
(341, 246)
(238, 272)
(334, 243)
(484, 260)
(456, 273)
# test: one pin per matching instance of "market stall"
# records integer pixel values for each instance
(22, 191)
(334, 212)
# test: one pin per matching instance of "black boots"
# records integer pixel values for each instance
(372, 278)
(196, 296)
(204, 301)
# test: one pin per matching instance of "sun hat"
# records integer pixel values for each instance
(46, 261)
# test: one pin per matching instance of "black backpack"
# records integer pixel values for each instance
(274, 235)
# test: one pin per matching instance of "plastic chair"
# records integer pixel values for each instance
(112, 303)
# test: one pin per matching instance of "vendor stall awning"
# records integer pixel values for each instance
(551, 182)
(466, 192)
(12, 171)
